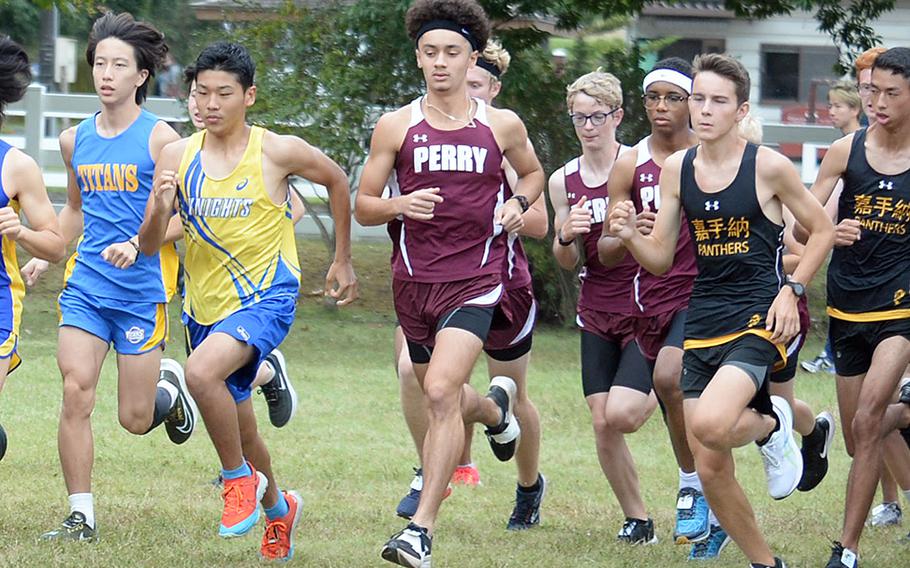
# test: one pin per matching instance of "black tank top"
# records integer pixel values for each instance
(869, 280)
(739, 255)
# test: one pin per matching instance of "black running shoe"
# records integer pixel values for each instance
(905, 393)
(778, 563)
(182, 419)
(279, 392)
(526, 513)
(503, 437)
(842, 557)
(637, 531)
(815, 452)
(73, 528)
(2, 442)
(410, 547)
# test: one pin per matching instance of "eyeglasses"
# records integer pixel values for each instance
(864, 88)
(673, 100)
(596, 118)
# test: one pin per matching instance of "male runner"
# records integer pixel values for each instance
(229, 184)
(741, 311)
(867, 296)
(508, 344)
(446, 151)
(21, 188)
(112, 294)
(616, 378)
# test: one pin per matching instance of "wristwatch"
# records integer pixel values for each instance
(522, 201)
(799, 290)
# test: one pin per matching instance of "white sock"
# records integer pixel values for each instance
(469, 464)
(906, 495)
(268, 371)
(689, 480)
(170, 389)
(712, 520)
(83, 503)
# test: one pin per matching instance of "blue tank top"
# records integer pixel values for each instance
(12, 288)
(115, 180)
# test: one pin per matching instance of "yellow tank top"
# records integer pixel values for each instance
(11, 304)
(239, 244)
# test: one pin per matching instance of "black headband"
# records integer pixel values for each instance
(447, 25)
(489, 67)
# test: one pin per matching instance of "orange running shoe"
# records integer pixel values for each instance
(278, 539)
(466, 475)
(241, 503)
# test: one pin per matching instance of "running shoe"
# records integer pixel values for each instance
(279, 393)
(182, 419)
(526, 513)
(822, 363)
(711, 547)
(815, 452)
(886, 515)
(504, 436)
(466, 475)
(780, 454)
(73, 528)
(691, 516)
(2, 442)
(241, 503)
(407, 507)
(842, 557)
(278, 539)
(410, 547)
(637, 531)
(778, 563)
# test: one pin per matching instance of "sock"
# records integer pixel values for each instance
(906, 495)
(165, 397)
(268, 371)
(776, 428)
(531, 489)
(242, 471)
(279, 509)
(689, 480)
(83, 503)
(712, 520)
(469, 464)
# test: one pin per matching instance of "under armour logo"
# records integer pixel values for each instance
(712, 205)
(420, 138)
(889, 185)
(646, 178)
(570, 195)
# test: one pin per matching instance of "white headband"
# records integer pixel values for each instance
(668, 76)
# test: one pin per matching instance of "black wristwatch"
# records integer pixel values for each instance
(799, 290)
(522, 201)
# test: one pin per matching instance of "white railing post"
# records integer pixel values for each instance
(34, 121)
(809, 163)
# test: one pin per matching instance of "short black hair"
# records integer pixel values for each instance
(230, 57)
(676, 64)
(466, 13)
(147, 42)
(896, 60)
(15, 73)
(189, 75)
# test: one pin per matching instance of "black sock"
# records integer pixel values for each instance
(814, 435)
(163, 406)
(532, 489)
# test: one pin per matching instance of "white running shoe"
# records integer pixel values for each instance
(780, 454)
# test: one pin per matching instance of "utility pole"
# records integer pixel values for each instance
(50, 26)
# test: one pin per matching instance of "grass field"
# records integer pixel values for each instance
(348, 453)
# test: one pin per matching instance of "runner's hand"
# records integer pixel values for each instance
(341, 283)
(644, 222)
(33, 270)
(419, 204)
(623, 220)
(847, 232)
(783, 317)
(120, 255)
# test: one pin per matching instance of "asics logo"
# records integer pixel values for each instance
(420, 138)
(712, 205)
(889, 185)
(243, 184)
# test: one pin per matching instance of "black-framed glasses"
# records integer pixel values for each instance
(672, 100)
(596, 118)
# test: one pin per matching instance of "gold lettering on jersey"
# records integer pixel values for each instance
(220, 207)
(871, 209)
(733, 231)
(754, 320)
(108, 177)
(449, 158)
(898, 296)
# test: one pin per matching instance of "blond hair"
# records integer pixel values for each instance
(845, 92)
(603, 87)
(751, 129)
(495, 54)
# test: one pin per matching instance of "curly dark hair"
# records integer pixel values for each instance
(15, 73)
(147, 43)
(466, 13)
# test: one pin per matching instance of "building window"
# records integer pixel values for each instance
(688, 48)
(788, 72)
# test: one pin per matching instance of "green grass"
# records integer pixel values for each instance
(348, 452)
